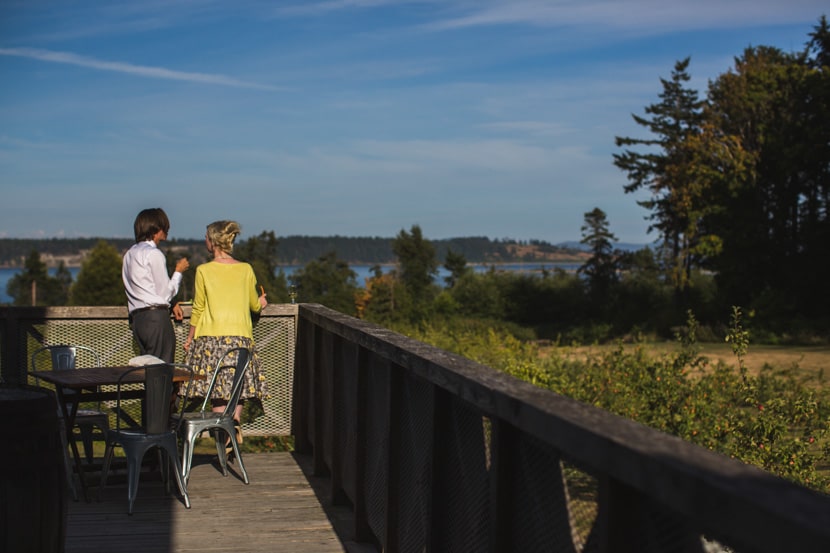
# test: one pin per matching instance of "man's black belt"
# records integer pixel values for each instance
(149, 308)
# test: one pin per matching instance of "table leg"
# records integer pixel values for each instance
(70, 410)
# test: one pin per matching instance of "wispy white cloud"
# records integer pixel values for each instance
(306, 8)
(139, 70)
(536, 128)
(655, 15)
(642, 15)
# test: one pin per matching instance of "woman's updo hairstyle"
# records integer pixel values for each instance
(222, 234)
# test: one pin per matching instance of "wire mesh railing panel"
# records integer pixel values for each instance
(539, 510)
(666, 531)
(274, 339)
(462, 501)
(581, 490)
(415, 463)
(655, 528)
(714, 546)
(111, 338)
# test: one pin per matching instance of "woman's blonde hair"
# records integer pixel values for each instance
(222, 234)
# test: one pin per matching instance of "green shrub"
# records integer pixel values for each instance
(771, 420)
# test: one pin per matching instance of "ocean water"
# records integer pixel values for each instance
(363, 272)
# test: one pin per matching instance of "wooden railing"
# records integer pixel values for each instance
(433, 452)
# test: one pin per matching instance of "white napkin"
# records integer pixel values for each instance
(143, 360)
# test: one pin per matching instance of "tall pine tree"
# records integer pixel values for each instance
(664, 167)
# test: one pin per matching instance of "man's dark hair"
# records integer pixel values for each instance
(148, 222)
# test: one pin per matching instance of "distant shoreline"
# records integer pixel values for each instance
(294, 251)
(53, 264)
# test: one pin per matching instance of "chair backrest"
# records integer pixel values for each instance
(226, 362)
(158, 392)
(65, 357)
(158, 389)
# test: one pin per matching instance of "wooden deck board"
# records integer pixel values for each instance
(280, 510)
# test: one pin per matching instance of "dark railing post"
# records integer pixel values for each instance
(12, 364)
(301, 404)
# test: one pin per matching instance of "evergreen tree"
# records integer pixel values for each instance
(456, 264)
(261, 252)
(600, 268)
(99, 281)
(63, 280)
(418, 266)
(384, 300)
(666, 169)
(479, 295)
(33, 285)
(774, 222)
(328, 281)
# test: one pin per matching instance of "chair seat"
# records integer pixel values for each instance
(207, 417)
(89, 413)
(137, 434)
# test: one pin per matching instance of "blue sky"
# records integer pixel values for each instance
(347, 117)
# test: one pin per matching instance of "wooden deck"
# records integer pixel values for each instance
(284, 508)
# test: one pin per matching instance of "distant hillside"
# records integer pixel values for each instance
(295, 250)
(623, 246)
(299, 250)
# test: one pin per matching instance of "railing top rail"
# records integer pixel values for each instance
(108, 312)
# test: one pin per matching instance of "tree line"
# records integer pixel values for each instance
(299, 249)
(739, 180)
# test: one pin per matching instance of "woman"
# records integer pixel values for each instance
(225, 296)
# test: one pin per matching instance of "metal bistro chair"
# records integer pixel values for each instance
(157, 432)
(65, 358)
(221, 423)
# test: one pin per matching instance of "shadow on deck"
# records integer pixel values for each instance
(284, 508)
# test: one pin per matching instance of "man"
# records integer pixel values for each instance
(149, 289)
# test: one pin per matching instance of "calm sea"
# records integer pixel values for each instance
(363, 272)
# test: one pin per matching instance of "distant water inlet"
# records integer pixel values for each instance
(363, 272)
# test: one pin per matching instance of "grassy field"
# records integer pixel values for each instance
(809, 362)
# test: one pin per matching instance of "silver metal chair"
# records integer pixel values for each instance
(219, 423)
(158, 432)
(65, 358)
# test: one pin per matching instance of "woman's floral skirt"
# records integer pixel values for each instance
(205, 352)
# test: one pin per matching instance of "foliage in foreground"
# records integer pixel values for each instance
(772, 420)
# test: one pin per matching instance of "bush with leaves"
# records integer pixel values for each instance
(771, 420)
